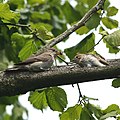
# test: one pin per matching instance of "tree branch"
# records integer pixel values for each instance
(19, 82)
(65, 34)
(76, 26)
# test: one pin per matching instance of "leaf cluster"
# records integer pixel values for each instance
(26, 26)
(17, 109)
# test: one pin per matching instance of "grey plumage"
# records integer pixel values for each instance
(38, 63)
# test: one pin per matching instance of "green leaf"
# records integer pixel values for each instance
(11, 53)
(113, 39)
(116, 83)
(85, 115)
(2, 109)
(82, 7)
(103, 32)
(70, 13)
(95, 110)
(111, 11)
(43, 33)
(82, 30)
(85, 45)
(101, 29)
(96, 18)
(91, 3)
(7, 15)
(38, 99)
(6, 116)
(19, 40)
(57, 99)
(106, 4)
(27, 50)
(1, 1)
(36, 2)
(110, 23)
(16, 4)
(72, 113)
(3, 66)
(112, 42)
(112, 49)
(37, 16)
(17, 112)
(40, 25)
(111, 111)
(110, 114)
(8, 100)
(110, 108)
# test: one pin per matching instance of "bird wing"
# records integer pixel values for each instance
(42, 57)
(101, 59)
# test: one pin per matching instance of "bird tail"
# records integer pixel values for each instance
(16, 68)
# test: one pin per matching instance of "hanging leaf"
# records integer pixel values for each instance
(110, 111)
(116, 83)
(110, 114)
(14, 4)
(18, 111)
(70, 13)
(82, 30)
(27, 50)
(85, 45)
(113, 39)
(110, 23)
(95, 110)
(37, 16)
(111, 11)
(32, 2)
(106, 4)
(72, 113)
(7, 15)
(57, 98)
(38, 99)
(96, 18)
(111, 108)
(86, 115)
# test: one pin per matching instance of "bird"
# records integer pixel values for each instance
(89, 60)
(40, 62)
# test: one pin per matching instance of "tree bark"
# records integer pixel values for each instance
(19, 82)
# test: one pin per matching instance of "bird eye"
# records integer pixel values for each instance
(54, 50)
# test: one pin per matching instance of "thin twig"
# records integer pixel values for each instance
(63, 60)
(80, 94)
(95, 44)
(26, 26)
(11, 24)
(76, 26)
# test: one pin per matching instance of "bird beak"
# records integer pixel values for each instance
(75, 59)
(59, 53)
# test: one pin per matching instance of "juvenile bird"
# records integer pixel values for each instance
(40, 62)
(89, 60)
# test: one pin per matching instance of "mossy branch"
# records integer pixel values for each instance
(19, 82)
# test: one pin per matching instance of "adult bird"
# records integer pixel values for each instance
(40, 62)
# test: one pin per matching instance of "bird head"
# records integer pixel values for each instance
(54, 51)
(78, 57)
